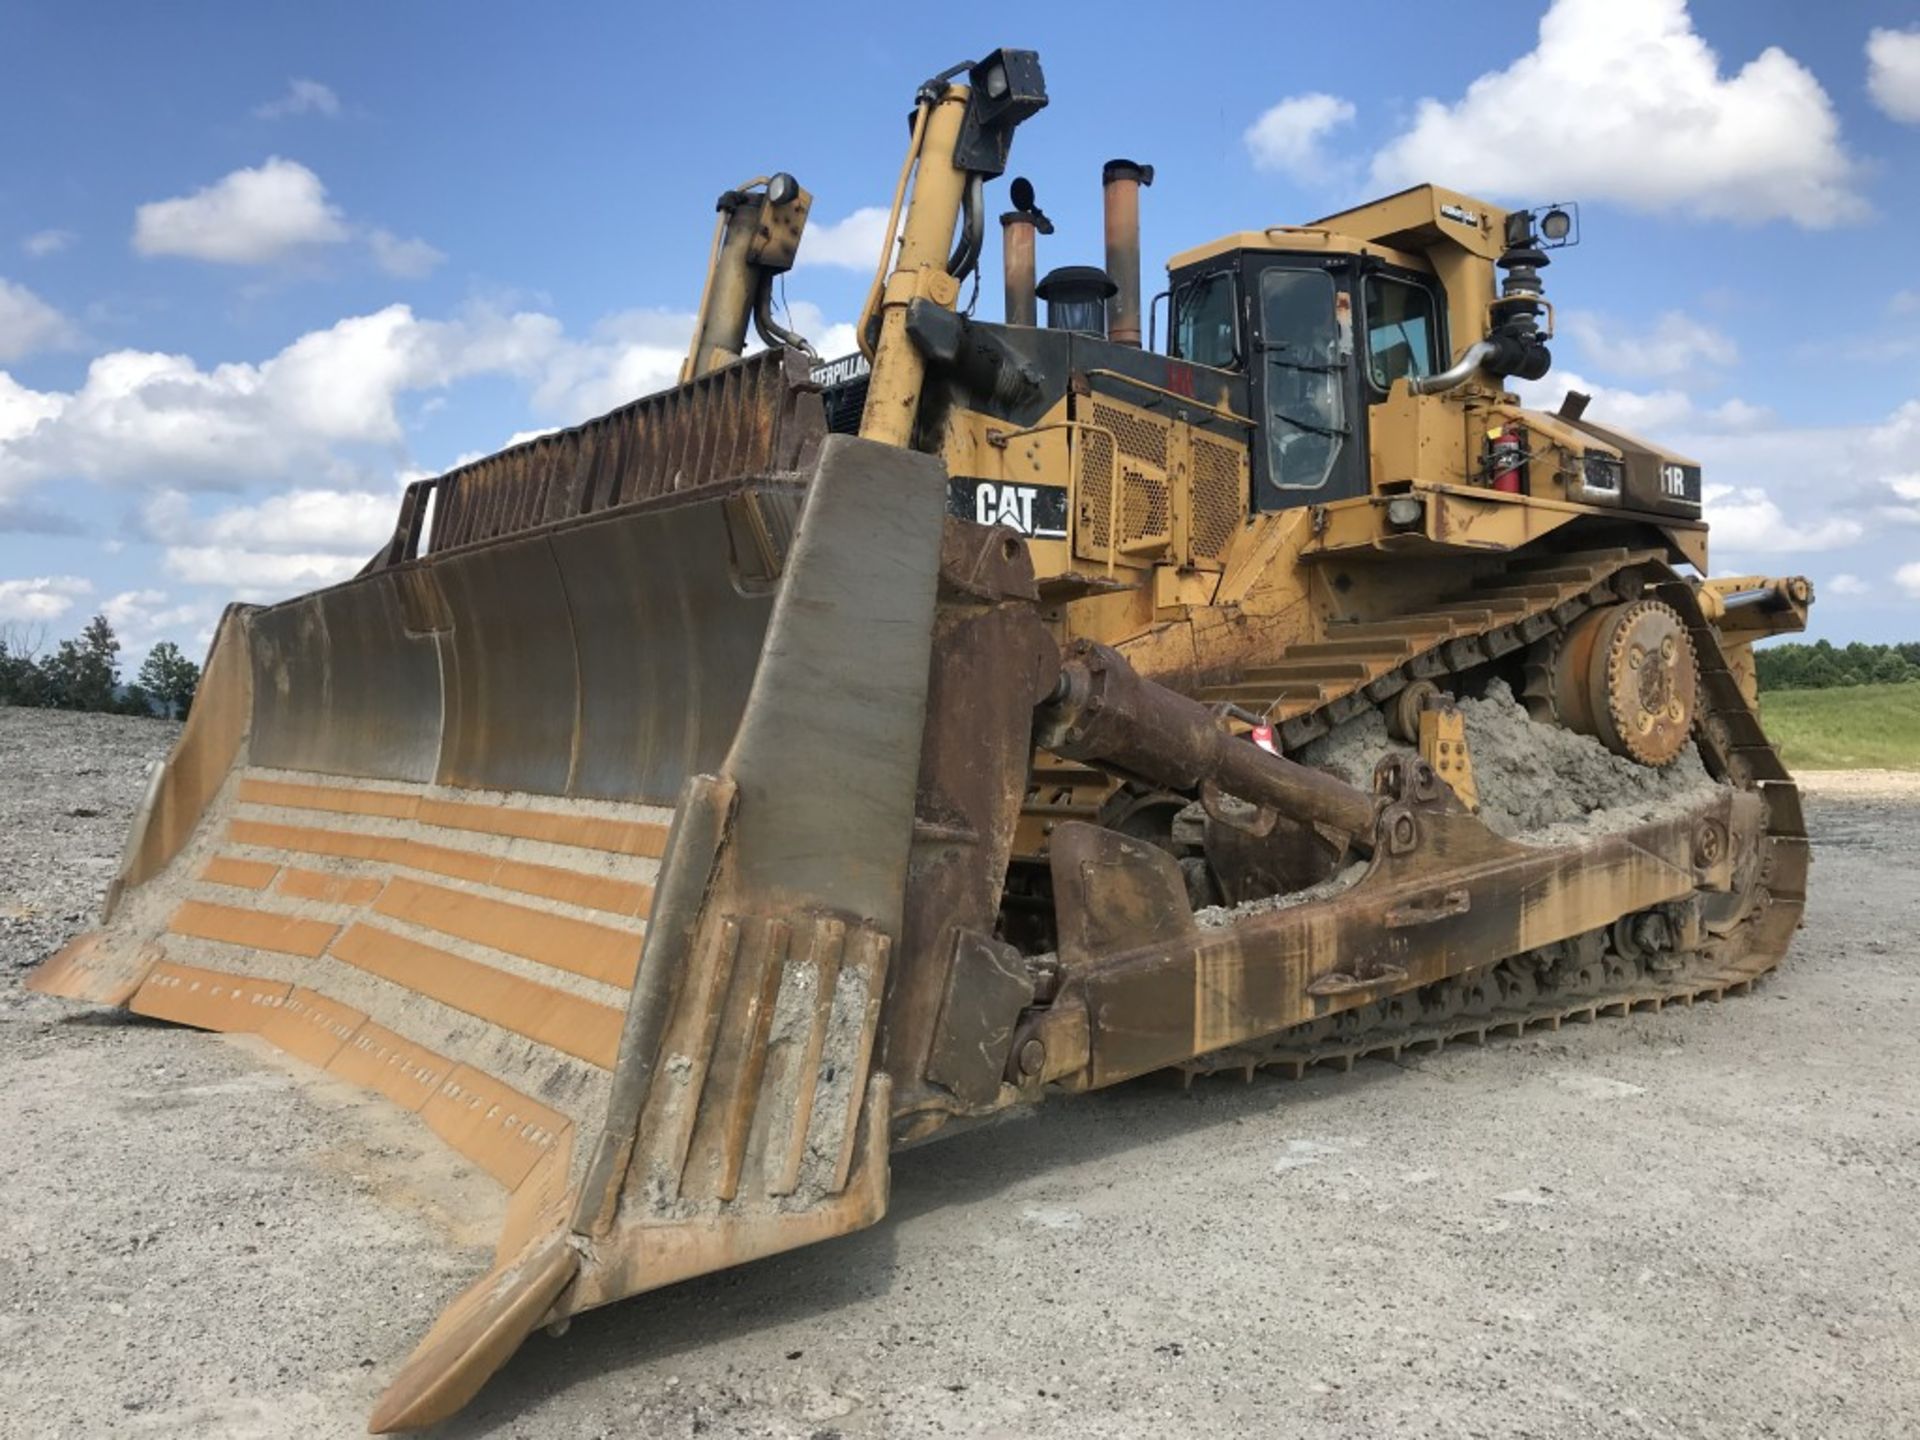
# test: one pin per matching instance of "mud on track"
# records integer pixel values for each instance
(1697, 1223)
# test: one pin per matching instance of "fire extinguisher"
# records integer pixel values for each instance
(1505, 457)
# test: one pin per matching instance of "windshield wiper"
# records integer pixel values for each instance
(1310, 427)
(1269, 347)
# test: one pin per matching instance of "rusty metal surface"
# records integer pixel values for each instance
(757, 416)
(1447, 902)
(1105, 711)
(992, 661)
(440, 737)
(609, 658)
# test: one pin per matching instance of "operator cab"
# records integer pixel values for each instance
(1320, 339)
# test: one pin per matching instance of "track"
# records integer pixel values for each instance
(1591, 975)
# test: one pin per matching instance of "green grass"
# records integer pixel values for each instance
(1853, 727)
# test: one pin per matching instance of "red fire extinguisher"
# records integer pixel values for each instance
(1505, 457)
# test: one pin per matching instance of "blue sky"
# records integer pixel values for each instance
(259, 264)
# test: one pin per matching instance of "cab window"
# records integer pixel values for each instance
(1207, 330)
(1306, 343)
(1401, 331)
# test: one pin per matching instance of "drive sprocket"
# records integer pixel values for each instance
(1625, 674)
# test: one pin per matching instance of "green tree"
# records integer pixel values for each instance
(83, 673)
(23, 679)
(170, 678)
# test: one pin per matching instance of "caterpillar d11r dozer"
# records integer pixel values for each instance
(686, 809)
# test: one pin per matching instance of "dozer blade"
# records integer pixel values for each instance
(587, 845)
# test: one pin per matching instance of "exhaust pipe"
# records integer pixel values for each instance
(1016, 246)
(1018, 229)
(1121, 180)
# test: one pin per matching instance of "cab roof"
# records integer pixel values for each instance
(1403, 229)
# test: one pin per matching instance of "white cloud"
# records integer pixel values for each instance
(1648, 413)
(1907, 577)
(518, 437)
(853, 243)
(1675, 345)
(43, 243)
(280, 546)
(408, 259)
(1901, 505)
(1893, 73)
(1290, 137)
(142, 618)
(1638, 412)
(258, 575)
(630, 354)
(829, 338)
(249, 218)
(1622, 100)
(302, 97)
(147, 419)
(46, 597)
(1844, 584)
(322, 415)
(348, 522)
(1744, 519)
(28, 323)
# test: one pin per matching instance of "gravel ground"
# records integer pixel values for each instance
(1699, 1223)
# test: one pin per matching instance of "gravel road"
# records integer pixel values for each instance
(1700, 1223)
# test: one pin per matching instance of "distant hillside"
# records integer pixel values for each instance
(1854, 727)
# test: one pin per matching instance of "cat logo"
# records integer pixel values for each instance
(1039, 511)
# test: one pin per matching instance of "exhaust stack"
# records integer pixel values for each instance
(1016, 243)
(1120, 181)
(1018, 228)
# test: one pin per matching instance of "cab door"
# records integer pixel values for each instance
(1307, 386)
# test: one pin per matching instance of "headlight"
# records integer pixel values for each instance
(1601, 474)
(1406, 511)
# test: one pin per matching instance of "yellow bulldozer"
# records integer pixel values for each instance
(686, 809)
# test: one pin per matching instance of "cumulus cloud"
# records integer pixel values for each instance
(260, 576)
(142, 618)
(1844, 584)
(830, 338)
(1893, 73)
(1674, 345)
(348, 522)
(1900, 503)
(628, 355)
(1907, 577)
(141, 418)
(43, 243)
(1290, 138)
(28, 323)
(43, 598)
(250, 217)
(1641, 412)
(1745, 520)
(275, 212)
(407, 259)
(302, 97)
(852, 244)
(1623, 100)
(279, 546)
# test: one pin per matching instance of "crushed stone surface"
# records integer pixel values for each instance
(69, 784)
(1698, 1224)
